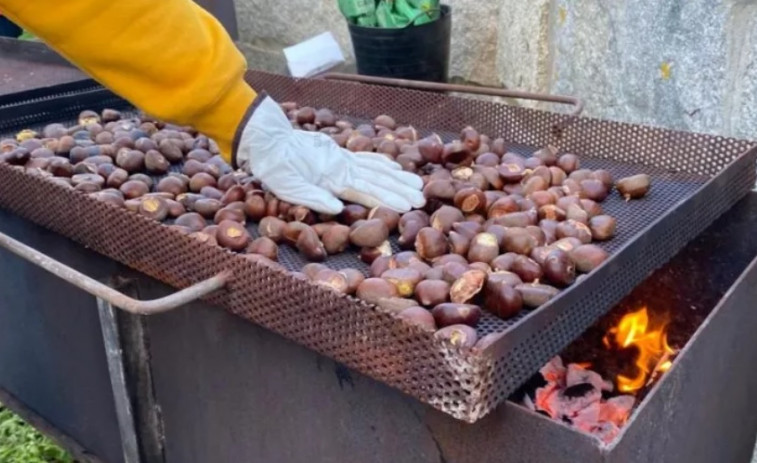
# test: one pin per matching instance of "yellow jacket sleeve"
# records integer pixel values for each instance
(170, 58)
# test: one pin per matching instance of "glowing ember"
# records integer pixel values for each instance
(654, 352)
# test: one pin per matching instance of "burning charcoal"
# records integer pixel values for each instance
(587, 418)
(575, 398)
(554, 371)
(544, 399)
(579, 375)
(617, 409)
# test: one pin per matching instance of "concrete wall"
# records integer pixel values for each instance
(685, 64)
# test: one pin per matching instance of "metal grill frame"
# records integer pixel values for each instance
(466, 384)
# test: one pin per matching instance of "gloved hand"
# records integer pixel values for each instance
(310, 169)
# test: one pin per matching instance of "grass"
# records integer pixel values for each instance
(21, 443)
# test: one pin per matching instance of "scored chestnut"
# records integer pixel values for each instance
(404, 279)
(154, 208)
(232, 235)
(458, 335)
(430, 243)
(332, 279)
(484, 247)
(467, 286)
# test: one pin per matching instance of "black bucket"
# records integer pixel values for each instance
(413, 52)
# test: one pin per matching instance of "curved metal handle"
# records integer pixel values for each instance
(109, 294)
(489, 91)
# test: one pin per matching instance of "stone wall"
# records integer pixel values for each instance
(685, 64)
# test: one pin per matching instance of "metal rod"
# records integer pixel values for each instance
(108, 294)
(490, 91)
(114, 356)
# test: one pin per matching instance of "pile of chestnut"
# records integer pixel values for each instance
(500, 232)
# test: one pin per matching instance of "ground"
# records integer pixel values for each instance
(20, 443)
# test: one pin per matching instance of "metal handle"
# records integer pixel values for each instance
(107, 293)
(489, 91)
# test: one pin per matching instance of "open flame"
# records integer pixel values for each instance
(654, 356)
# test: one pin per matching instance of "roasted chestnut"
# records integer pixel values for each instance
(264, 246)
(527, 269)
(535, 294)
(372, 290)
(484, 247)
(192, 221)
(172, 185)
(602, 227)
(634, 187)
(418, 316)
(154, 208)
(405, 279)
(501, 299)
(207, 207)
(449, 313)
(432, 292)
(587, 257)
(445, 217)
(354, 279)
(232, 235)
(352, 213)
(332, 279)
(336, 238)
(458, 335)
(130, 160)
(568, 163)
(370, 233)
(574, 229)
(559, 268)
(467, 286)
(430, 243)
(593, 189)
(201, 180)
(310, 245)
(133, 189)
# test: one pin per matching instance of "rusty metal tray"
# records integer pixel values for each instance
(695, 179)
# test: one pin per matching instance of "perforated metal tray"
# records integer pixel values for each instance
(695, 179)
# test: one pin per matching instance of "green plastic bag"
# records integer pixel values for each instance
(356, 8)
(430, 7)
(403, 8)
(384, 16)
(368, 20)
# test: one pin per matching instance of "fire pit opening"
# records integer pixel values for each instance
(597, 382)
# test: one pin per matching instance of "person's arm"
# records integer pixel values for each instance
(170, 58)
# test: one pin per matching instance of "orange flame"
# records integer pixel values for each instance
(654, 351)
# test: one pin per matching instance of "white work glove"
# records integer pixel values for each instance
(310, 169)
